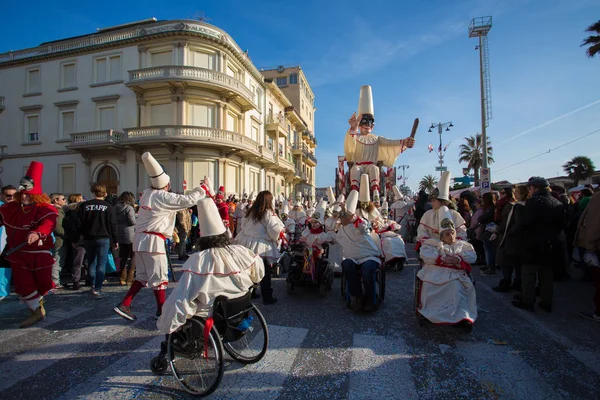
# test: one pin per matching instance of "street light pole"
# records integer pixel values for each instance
(441, 151)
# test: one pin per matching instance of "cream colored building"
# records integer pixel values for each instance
(88, 107)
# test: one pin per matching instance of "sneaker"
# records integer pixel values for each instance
(97, 294)
(590, 316)
(125, 312)
(76, 286)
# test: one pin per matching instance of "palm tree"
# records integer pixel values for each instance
(579, 168)
(592, 41)
(472, 154)
(428, 183)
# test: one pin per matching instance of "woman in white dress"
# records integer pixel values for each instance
(260, 233)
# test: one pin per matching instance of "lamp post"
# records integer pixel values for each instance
(441, 151)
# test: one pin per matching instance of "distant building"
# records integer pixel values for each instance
(89, 106)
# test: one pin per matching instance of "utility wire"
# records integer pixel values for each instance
(550, 150)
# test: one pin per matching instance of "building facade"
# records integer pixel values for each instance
(88, 107)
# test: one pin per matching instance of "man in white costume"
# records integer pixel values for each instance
(332, 225)
(240, 211)
(289, 223)
(366, 209)
(361, 256)
(401, 208)
(218, 269)
(428, 227)
(365, 149)
(315, 234)
(298, 214)
(154, 224)
(392, 245)
(447, 292)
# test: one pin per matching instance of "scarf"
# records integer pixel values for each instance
(499, 206)
(316, 231)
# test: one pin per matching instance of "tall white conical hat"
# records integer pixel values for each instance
(330, 195)
(158, 178)
(285, 209)
(352, 201)
(376, 197)
(365, 101)
(319, 213)
(208, 186)
(245, 196)
(397, 195)
(209, 220)
(442, 192)
(364, 195)
(445, 218)
(280, 198)
(251, 197)
(384, 209)
(341, 198)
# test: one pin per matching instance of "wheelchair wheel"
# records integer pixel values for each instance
(252, 346)
(400, 264)
(159, 365)
(197, 374)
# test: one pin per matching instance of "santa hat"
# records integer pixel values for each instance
(364, 195)
(221, 190)
(158, 178)
(442, 191)
(285, 209)
(330, 195)
(397, 195)
(31, 183)
(445, 218)
(352, 201)
(384, 209)
(365, 101)
(209, 220)
(319, 213)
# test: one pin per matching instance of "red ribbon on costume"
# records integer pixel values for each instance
(357, 222)
(284, 241)
(208, 324)
(463, 265)
(160, 235)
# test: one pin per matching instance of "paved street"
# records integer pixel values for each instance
(318, 350)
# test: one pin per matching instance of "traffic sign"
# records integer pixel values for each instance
(485, 185)
(441, 169)
(485, 172)
(184, 185)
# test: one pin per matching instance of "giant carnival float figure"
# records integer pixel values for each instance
(365, 149)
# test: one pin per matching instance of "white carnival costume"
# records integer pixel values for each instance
(365, 151)
(210, 273)
(392, 245)
(262, 236)
(289, 223)
(428, 227)
(447, 292)
(298, 214)
(316, 237)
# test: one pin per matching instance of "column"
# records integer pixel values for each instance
(224, 109)
(218, 117)
(241, 124)
(142, 107)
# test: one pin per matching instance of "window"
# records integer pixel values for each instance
(67, 123)
(201, 115)
(282, 81)
(106, 117)
(161, 58)
(67, 178)
(271, 111)
(203, 60)
(107, 69)
(280, 150)
(232, 71)
(68, 76)
(231, 122)
(32, 127)
(293, 79)
(254, 133)
(270, 143)
(161, 114)
(33, 81)
(302, 104)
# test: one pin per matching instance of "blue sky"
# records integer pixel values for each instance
(417, 57)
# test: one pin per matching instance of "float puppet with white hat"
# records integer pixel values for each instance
(365, 149)
(367, 209)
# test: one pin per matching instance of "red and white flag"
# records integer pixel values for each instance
(430, 147)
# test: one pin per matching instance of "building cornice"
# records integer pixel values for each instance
(6, 156)
(126, 37)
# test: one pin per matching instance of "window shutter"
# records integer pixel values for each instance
(101, 70)
(34, 81)
(115, 68)
(68, 123)
(69, 75)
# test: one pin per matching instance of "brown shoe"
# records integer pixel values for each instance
(36, 316)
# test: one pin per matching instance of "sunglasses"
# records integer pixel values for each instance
(367, 121)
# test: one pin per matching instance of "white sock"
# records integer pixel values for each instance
(33, 304)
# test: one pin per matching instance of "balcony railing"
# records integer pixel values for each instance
(267, 154)
(181, 72)
(232, 139)
(107, 136)
(278, 120)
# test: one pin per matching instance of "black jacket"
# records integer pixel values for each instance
(543, 220)
(97, 220)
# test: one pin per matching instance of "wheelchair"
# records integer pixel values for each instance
(323, 270)
(194, 352)
(379, 287)
(418, 283)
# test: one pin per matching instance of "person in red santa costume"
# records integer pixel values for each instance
(30, 222)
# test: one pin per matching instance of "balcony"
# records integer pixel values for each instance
(267, 154)
(277, 122)
(95, 139)
(185, 76)
(306, 154)
(2, 107)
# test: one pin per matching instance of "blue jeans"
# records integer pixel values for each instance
(490, 252)
(96, 251)
(353, 274)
